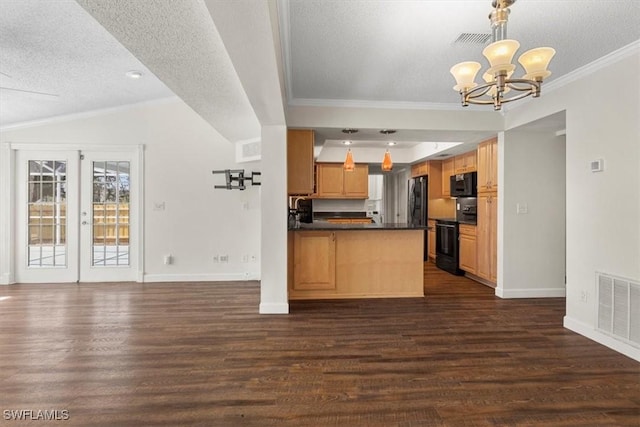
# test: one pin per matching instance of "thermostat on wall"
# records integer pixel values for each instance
(597, 165)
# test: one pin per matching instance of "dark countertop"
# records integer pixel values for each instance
(330, 226)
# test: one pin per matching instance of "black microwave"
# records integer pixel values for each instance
(464, 185)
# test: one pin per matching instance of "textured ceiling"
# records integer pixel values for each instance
(179, 42)
(54, 47)
(386, 52)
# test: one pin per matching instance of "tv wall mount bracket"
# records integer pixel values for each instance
(237, 176)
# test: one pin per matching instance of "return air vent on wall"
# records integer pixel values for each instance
(472, 38)
(619, 308)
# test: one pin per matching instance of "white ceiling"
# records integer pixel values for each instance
(229, 59)
(391, 53)
(55, 47)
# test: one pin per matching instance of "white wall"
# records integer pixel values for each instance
(533, 256)
(273, 288)
(181, 150)
(603, 209)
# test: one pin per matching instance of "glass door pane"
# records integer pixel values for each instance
(110, 213)
(47, 213)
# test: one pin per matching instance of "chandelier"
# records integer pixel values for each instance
(499, 53)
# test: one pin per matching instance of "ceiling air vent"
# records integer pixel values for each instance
(472, 38)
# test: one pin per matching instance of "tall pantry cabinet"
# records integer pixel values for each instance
(487, 229)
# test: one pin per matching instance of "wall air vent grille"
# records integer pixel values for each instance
(619, 308)
(473, 38)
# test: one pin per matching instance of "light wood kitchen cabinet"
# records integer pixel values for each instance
(349, 220)
(465, 162)
(335, 183)
(467, 248)
(356, 263)
(487, 237)
(488, 166)
(434, 180)
(420, 169)
(432, 169)
(314, 266)
(300, 161)
(447, 170)
(431, 239)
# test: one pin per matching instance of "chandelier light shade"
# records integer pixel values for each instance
(499, 54)
(349, 165)
(387, 164)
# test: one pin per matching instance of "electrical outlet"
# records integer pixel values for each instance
(224, 258)
(254, 258)
(216, 258)
(584, 296)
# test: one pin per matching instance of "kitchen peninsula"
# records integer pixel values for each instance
(330, 261)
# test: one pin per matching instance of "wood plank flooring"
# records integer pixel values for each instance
(187, 354)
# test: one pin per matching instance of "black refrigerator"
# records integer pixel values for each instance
(417, 207)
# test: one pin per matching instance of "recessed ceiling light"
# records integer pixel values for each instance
(134, 74)
(347, 142)
(391, 143)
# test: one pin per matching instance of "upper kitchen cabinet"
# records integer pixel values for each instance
(447, 170)
(465, 162)
(420, 169)
(488, 166)
(433, 170)
(335, 183)
(300, 161)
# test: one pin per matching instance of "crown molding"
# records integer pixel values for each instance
(590, 68)
(355, 103)
(88, 114)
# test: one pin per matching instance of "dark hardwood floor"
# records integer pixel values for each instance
(199, 354)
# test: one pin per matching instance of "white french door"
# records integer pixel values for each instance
(75, 216)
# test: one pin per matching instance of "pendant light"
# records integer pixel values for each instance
(387, 164)
(349, 165)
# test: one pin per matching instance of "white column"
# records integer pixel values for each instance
(273, 241)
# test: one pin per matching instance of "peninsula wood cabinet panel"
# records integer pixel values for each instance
(431, 239)
(487, 233)
(467, 248)
(300, 161)
(335, 183)
(488, 166)
(356, 263)
(314, 265)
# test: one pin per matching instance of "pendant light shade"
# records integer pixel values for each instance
(349, 165)
(387, 164)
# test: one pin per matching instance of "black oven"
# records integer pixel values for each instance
(447, 246)
(467, 210)
(464, 185)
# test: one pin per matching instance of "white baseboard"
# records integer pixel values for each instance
(531, 293)
(274, 308)
(206, 277)
(601, 338)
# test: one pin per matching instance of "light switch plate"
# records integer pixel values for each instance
(522, 208)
